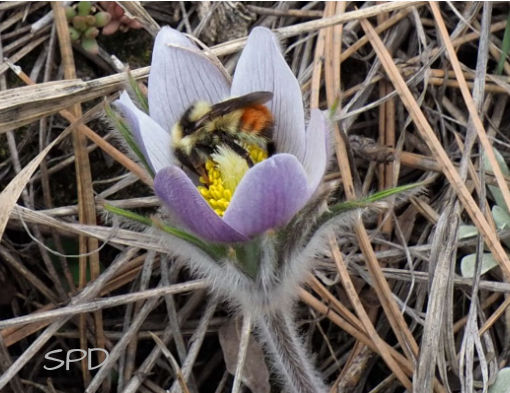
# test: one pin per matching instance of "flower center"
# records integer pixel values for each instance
(225, 169)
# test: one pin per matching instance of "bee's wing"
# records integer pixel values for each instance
(233, 104)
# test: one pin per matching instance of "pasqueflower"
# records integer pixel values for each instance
(270, 215)
(269, 193)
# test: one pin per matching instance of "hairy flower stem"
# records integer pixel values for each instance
(279, 334)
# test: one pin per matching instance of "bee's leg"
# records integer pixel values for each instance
(184, 159)
(193, 162)
(271, 148)
(267, 134)
(199, 166)
(202, 172)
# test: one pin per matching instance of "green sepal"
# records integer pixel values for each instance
(122, 127)
(247, 256)
(215, 251)
(140, 97)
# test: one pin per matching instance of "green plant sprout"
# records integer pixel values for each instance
(501, 219)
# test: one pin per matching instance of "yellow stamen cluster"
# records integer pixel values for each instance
(214, 191)
(257, 154)
(224, 171)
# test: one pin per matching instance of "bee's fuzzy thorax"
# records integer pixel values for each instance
(227, 123)
(199, 109)
(176, 134)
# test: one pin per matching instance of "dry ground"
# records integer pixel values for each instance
(420, 98)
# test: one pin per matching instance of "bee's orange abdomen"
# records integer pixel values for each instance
(256, 118)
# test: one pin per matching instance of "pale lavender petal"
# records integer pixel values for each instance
(316, 153)
(154, 142)
(268, 196)
(181, 75)
(262, 67)
(180, 195)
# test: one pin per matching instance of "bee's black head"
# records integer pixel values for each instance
(194, 116)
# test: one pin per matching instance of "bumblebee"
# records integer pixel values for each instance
(236, 123)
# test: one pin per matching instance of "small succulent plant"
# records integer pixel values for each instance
(88, 21)
(119, 20)
(85, 21)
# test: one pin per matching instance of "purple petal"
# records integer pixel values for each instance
(316, 153)
(262, 67)
(181, 75)
(154, 142)
(268, 196)
(180, 195)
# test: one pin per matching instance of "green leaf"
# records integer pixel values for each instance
(501, 217)
(505, 47)
(367, 201)
(342, 207)
(122, 127)
(502, 221)
(90, 45)
(75, 34)
(467, 264)
(128, 214)
(102, 18)
(70, 13)
(84, 8)
(495, 191)
(140, 97)
(71, 251)
(334, 108)
(502, 382)
(501, 162)
(80, 23)
(216, 251)
(466, 231)
(91, 32)
(392, 191)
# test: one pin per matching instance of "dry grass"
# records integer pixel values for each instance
(418, 99)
